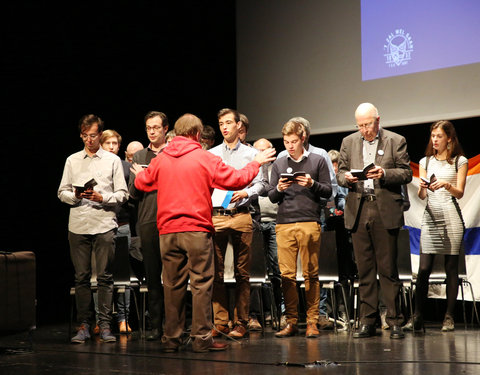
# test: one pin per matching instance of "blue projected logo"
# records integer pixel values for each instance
(445, 34)
(398, 49)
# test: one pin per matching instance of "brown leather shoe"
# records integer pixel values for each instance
(312, 331)
(239, 332)
(324, 323)
(220, 328)
(214, 347)
(288, 331)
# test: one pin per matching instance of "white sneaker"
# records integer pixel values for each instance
(383, 320)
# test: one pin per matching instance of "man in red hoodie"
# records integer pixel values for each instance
(185, 176)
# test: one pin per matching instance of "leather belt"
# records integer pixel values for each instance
(232, 211)
(369, 198)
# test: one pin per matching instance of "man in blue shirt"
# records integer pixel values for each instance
(236, 223)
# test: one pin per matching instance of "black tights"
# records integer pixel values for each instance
(424, 270)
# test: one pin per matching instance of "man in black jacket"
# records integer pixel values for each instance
(156, 125)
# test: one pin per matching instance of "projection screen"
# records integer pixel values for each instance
(416, 60)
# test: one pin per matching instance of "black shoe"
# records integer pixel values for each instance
(397, 332)
(366, 330)
(418, 325)
(155, 334)
(169, 349)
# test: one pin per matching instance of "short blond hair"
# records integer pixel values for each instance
(109, 133)
(293, 127)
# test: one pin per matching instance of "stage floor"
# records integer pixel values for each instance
(337, 353)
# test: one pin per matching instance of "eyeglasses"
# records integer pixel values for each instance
(91, 136)
(154, 128)
(365, 126)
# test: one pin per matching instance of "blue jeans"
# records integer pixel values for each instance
(323, 301)
(323, 291)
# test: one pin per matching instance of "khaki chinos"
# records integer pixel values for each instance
(293, 240)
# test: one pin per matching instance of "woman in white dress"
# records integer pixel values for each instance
(443, 173)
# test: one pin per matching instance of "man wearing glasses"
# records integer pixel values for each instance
(374, 213)
(156, 126)
(94, 186)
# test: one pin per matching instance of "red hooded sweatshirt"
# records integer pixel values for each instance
(185, 175)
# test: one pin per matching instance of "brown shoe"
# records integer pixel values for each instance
(239, 332)
(123, 327)
(312, 331)
(214, 347)
(219, 329)
(324, 323)
(288, 331)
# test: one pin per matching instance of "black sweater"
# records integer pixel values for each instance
(298, 203)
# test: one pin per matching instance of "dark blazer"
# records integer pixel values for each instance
(393, 157)
(147, 202)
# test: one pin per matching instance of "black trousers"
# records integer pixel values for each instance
(82, 246)
(153, 271)
(376, 251)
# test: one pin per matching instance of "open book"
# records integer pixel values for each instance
(81, 187)
(292, 176)
(432, 179)
(361, 174)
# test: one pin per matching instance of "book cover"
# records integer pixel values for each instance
(221, 198)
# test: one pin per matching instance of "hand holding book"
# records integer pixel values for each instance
(427, 182)
(361, 174)
(81, 187)
(85, 190)
(292, 176)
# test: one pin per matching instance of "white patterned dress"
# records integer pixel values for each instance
(442, 222)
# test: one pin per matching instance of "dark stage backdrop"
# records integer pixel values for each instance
(119, 62)
(115, 59)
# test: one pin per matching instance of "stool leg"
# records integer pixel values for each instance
(347, 313)
(334, 308)
(463, 303)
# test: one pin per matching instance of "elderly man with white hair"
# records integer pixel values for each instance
(374, 213)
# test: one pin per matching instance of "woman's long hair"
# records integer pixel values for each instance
(454, 148)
